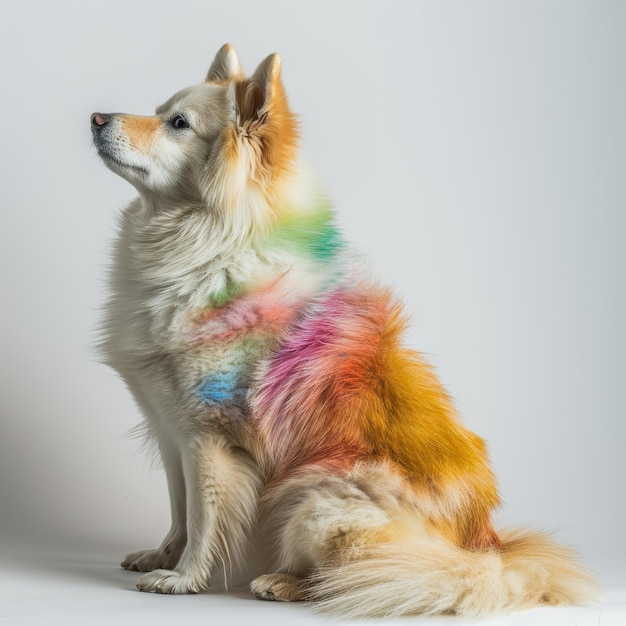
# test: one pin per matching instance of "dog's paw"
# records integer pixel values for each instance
(169, 581)
(149, 560)
(279, 587)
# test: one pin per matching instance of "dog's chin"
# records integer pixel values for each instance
(129, 171)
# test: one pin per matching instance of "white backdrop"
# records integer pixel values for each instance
(476, 153)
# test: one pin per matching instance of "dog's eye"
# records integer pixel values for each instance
(179, 122)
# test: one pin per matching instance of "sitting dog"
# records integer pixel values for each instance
(272, 375)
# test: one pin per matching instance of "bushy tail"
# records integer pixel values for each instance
(422, 575)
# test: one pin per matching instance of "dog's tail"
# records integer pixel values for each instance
(418, 574)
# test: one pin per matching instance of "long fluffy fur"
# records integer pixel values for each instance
(274, 380)
(420, 574)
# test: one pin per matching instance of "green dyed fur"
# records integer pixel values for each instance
(314, 234)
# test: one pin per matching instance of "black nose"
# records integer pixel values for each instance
(99, 120)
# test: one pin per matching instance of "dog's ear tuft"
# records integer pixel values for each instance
(225, 66)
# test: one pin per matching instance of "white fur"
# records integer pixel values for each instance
(173, 251)
(194, 229)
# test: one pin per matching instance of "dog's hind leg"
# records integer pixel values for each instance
(167, 555)
(222, 484)
(318, 520)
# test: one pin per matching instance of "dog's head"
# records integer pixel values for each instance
(226, 142)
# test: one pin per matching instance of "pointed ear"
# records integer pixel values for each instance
(264, 120)
(266, 80)
(225, 66)
(262, 92)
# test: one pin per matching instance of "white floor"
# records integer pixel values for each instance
(79, 587)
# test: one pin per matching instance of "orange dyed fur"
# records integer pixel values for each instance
(364, 396)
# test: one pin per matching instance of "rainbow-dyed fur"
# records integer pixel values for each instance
(273, 378)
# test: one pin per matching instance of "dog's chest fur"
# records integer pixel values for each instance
(192, 319)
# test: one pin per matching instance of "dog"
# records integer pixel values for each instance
(272, 374)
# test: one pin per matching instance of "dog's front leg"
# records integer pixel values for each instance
(222, 483)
